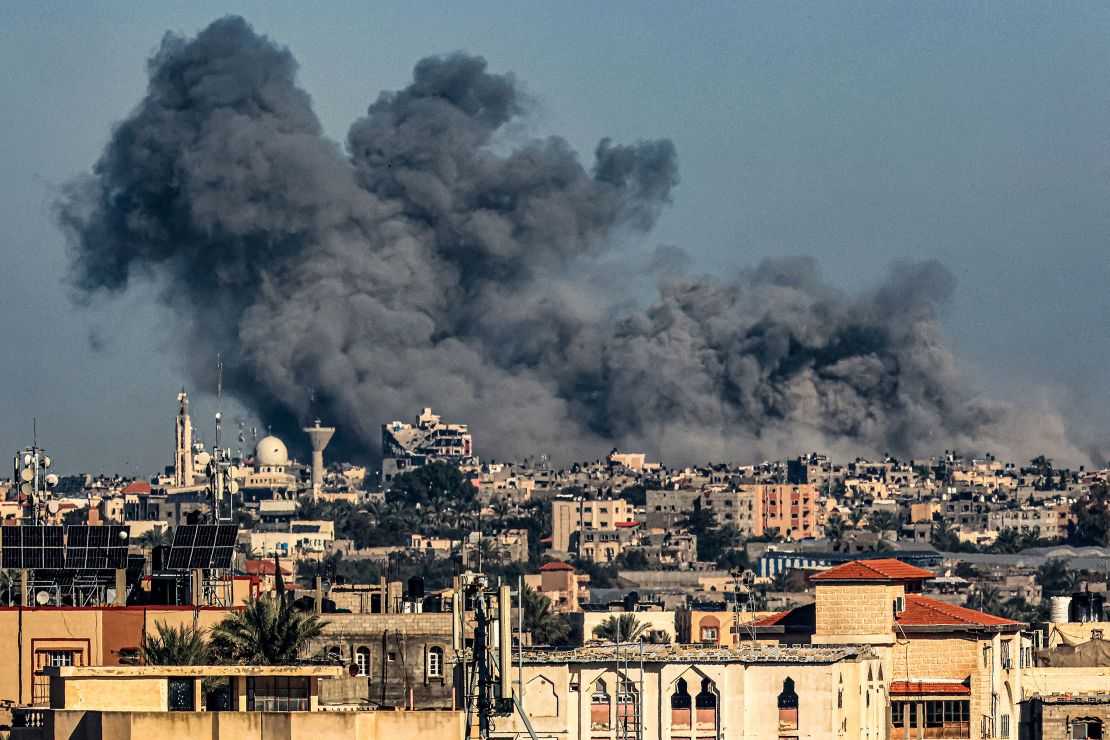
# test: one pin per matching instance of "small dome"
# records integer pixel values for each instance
(271, 452)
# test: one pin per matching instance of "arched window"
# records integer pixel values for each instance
(680, 706)
(788, 706)
(599, 706)
(706, 705)
(333, 652)
(435, 662)
(710, 630)
(362, 660)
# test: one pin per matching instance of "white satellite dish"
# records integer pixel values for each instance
(42, 598)
(110, 595)
(232, 487)
(27, 459)
(202, 459)
(232, 471)
(26, 474)
(46, 461)
(124, 534)
(51, 479)
(26, 489)
(52, 507)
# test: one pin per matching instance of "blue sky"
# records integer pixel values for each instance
(861, 134)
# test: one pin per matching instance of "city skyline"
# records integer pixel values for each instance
(120, 386)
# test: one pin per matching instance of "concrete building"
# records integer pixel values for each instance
(570, 518)
(951, 671)
(560, 583)
(274, 702)
(429, 440)
(674, 691)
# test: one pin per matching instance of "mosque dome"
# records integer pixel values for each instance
(271, 452)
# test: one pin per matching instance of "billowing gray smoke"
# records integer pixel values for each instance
(439, 261)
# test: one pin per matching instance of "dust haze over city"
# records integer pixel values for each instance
(452, 248)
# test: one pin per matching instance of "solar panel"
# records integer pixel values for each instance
(32, 547)
(202, 546)
(96, 548)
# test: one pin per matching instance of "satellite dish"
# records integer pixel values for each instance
(352, 670)
(232, 471)
(42, 598)
(124, 534)
(26, 489)
(51, 479)
(27, 458)
(26, 474)
(202, 459)
(232, 487)
(46, 461)
(52, 507)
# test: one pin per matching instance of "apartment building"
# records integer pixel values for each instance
(569, 518)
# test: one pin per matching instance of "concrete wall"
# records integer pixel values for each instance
(76, 725)
(853, 614)
(398, 646)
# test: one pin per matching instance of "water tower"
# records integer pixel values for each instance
(319, 436)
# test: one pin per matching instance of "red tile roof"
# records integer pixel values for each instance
(555, 565)
(264, 568)
(883, 569)
(625, 524)
(904, 688)
(137, 486)
(922, 611)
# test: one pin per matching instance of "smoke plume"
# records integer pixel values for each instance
(437, 260)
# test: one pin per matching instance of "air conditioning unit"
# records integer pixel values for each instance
(899, 605)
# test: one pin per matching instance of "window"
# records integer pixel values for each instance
(391, 657)
(680, 706)
(435, 662)
(1086, 729)
(788, 706)
(334, 653)
(181, 696)
(59, 658)
(1004, 727)
(599, 707)
(705, 704)
(277, 694)
(362, 660)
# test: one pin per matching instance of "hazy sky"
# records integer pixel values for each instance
(973, 133)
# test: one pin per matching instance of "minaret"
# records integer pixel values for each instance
(319, 436)
(183, 458)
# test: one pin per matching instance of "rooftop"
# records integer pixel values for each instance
(922, 611)
(700, 654)
(555, 565)
(159, 671)
(882, 569)
(1100, 697)
(913, 688)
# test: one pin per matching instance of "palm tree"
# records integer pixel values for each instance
(883, 521)
(547, 626)
(621, 628)
(1009, 540)
(943, 536)
(834, 533)
(267, 632)
(658, 637)
(984, 598)
(152, 538)
(183, 645)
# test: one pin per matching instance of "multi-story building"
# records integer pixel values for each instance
(428, 440)
(949, 671)
(685, 691)
(755, 509)
(571, 518)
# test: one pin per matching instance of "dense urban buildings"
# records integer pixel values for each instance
(946, 597)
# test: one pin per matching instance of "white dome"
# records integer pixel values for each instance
(271, 452)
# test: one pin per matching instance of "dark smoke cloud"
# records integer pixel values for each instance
(435, 261)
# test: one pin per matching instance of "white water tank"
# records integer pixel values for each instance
(1058, 609)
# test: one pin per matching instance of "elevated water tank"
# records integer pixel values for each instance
(1059, 608)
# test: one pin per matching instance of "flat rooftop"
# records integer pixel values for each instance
(753, 654)
(196, 671)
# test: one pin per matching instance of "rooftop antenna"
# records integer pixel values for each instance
(219, 395)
